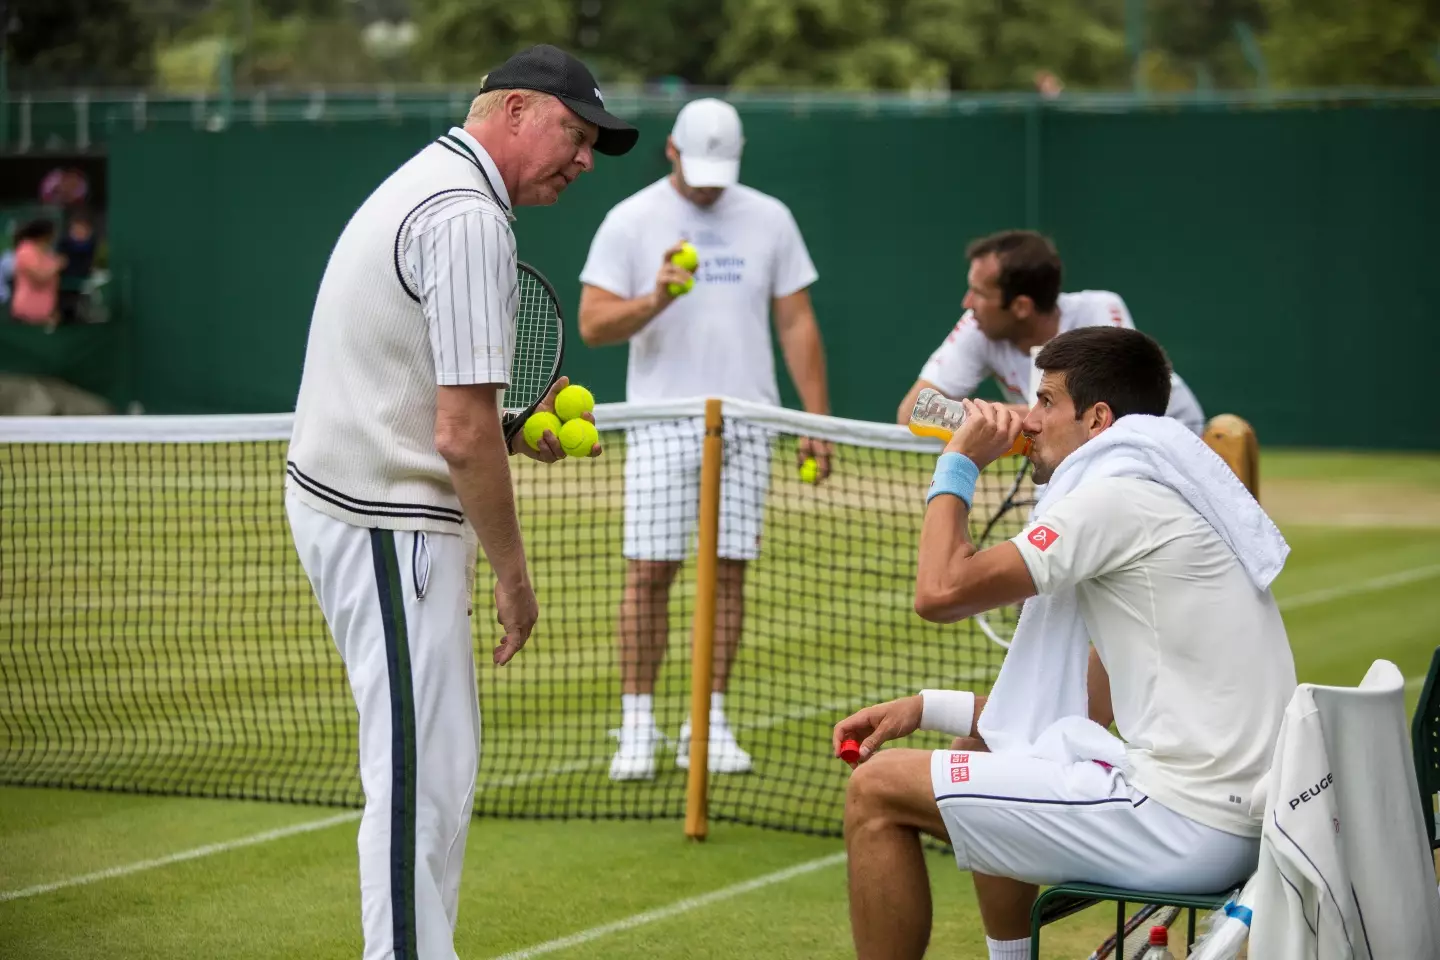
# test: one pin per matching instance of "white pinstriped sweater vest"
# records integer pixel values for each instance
(363, 446)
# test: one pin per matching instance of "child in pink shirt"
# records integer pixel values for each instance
(37, 274)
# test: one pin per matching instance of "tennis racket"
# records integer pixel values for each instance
(539, 349)
(1137, 933)
(1005, 521)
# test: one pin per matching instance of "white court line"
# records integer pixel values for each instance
(205, 851)
(1290, 603)
(674, 909)
(1364, 586)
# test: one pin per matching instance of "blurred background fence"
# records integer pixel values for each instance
(1282, 248)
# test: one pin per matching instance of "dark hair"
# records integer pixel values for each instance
(1029, 266)
(1123, 368)
(35, 230)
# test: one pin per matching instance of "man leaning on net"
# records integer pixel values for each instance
(398, 463)
(1143, 543)
(1014, 306)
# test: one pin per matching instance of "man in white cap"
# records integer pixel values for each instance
(711, 340)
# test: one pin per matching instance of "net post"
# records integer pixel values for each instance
(1234, 440)
(702, 649)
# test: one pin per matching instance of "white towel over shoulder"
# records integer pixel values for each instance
(1042, 680)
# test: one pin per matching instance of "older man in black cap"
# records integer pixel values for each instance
(398, 464)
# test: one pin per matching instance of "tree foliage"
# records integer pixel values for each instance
(78, 42)
(975, 45)
(1318, 43)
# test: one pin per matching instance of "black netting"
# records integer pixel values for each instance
(157, 632)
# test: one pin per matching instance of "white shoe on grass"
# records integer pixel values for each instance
(635, 757)
(726, 756)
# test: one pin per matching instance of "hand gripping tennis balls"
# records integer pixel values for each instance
(578, 438)
(809, 470)
(536, 426)
(572, 402)
(688, 259)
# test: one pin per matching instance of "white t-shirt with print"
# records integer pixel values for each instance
(966, 357)
(1200, 666)
(715, 340)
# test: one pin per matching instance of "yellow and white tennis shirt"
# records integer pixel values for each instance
(420, 290)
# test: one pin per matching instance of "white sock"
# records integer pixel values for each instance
(717, 705)
(1009, 949)
(638, 709)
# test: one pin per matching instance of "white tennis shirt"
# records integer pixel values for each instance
(420, 291)
(966, 357)
(715, 340)
(1200, 666)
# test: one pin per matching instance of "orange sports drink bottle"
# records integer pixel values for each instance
(936, 415)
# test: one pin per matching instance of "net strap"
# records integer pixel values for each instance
(608, 416)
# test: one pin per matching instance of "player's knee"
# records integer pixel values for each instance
(870, 795)
(652, 575)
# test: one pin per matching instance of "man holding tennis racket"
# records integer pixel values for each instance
(1145, 544)
(711, 341)
(420, 366)
(1013, 307)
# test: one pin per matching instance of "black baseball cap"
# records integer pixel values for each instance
(548, 69)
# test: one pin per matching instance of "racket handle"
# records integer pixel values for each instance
(936, 415)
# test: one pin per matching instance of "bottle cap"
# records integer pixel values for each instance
(1159, 936)
(850, 752)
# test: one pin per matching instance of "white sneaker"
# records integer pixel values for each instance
(726, 756)
(635, 757)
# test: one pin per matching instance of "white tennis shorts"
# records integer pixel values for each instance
(1046, 822)
(662, 489)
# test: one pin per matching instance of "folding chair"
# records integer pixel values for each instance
(1425, 740)
(1066, 899)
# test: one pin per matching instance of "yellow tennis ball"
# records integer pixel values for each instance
(809, 470)
(573, 401)
(679, 289)
(535, 427)
(688, 258)
(578, 438)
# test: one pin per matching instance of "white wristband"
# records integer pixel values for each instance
(948, 711)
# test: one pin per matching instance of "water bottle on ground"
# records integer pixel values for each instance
(1159, 945)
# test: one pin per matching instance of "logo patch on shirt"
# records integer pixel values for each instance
(1042, 536)
(960, 775)
(959, 758)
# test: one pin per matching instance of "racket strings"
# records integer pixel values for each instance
(537, 344)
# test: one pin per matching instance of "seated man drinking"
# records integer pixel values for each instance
(1144, 545)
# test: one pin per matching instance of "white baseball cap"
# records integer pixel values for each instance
(708, 137)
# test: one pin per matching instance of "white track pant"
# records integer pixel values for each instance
(397, 606)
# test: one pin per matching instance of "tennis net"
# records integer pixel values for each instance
(157, 633)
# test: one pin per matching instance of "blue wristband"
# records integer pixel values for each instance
(955, 473)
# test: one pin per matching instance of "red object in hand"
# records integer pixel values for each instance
(850, 752)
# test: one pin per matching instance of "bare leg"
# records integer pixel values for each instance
(1005, 906)
(888, 803)
(644, 622)
(729, 618)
